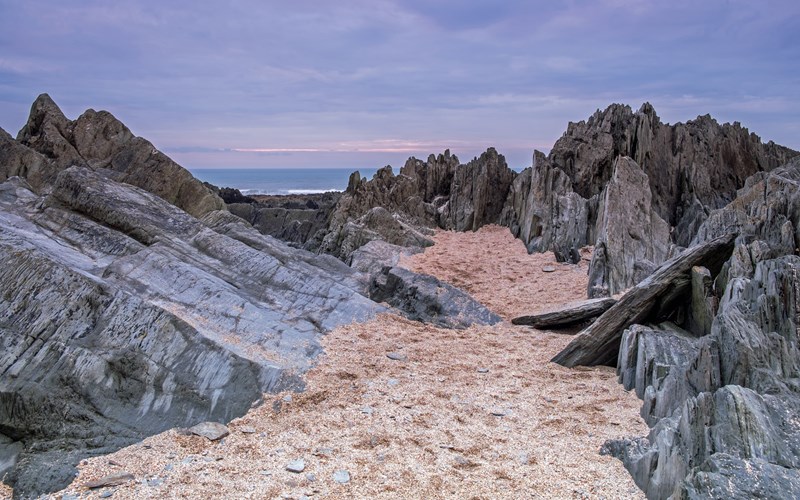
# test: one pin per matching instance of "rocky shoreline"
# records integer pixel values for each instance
(138, 299)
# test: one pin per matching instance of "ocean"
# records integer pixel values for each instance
(280, 180)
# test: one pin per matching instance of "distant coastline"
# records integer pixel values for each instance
(280, 181)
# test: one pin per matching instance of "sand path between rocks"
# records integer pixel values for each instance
(476, 413)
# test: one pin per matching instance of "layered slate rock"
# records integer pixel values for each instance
(723, 408)
(437, 193)
(424, 298)
(689, 169)
(123, 316)
(723, 405)
(653, 299)
(632, 239)
(98, 140)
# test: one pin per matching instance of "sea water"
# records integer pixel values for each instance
(280, 180)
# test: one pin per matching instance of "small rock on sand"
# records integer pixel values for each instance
(110, 480)
(213, 431)
(396, 356)
(548, 269)
(341, 476)
(296, 466)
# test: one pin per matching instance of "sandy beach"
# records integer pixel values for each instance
(476, 413)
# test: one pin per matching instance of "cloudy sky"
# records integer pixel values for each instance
(358, 84)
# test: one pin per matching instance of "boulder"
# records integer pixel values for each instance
(425, 298)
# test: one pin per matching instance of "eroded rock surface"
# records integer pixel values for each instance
(684, 171)
(123, 316)
(98, 140)
(723, 406)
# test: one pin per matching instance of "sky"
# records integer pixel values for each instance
(361, 84)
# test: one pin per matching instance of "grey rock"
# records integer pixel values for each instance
(483, 370)
(247, 429)
(650, 300)
(425, 298)
(633, 239)
(107, 494)
(296, 466)
(110, 480)
(98, 140)
(311, 477)
(569, 314)
(213, 431)
(134, 292)
(399, 209)
(722, 406)
(396, 356)
(372, 257)
(341, 476)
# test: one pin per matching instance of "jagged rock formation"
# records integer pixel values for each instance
(690, 168)
(98, 140)
(632, 240)
(122, 315)
(437, 193)
(723, 405)
(655, 299)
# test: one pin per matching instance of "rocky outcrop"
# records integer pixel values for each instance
(98, 140)
(21, 161)
(722, 404)
(722, 407)
(123, 316)
(291, 218)
(654, 299)
(437, 193)
(632, 240)
(684, 171)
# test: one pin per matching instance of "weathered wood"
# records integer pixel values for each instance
(598, 344)
(568, 314)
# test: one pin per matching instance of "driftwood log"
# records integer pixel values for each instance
(569, 314)
(598, 344)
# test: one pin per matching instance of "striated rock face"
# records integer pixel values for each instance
(684, 171)
(397, 209)
(123, 316)
(723, 406)
(632, 240)
(98, 140)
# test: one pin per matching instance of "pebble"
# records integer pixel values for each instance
(265, 473)
(548, 269)
(310, 477)
(366, 410)
(396, 356)
(326, 452)
(155, 482)
(69, 497)
(213, 431)
(106, 494)
(247, 429)
(296, 466)
(187, 460)
(171, 456)
(168, 467)
(341, 476)
(499, 412)
(287, 398)
(111, 480)
(483, 370)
